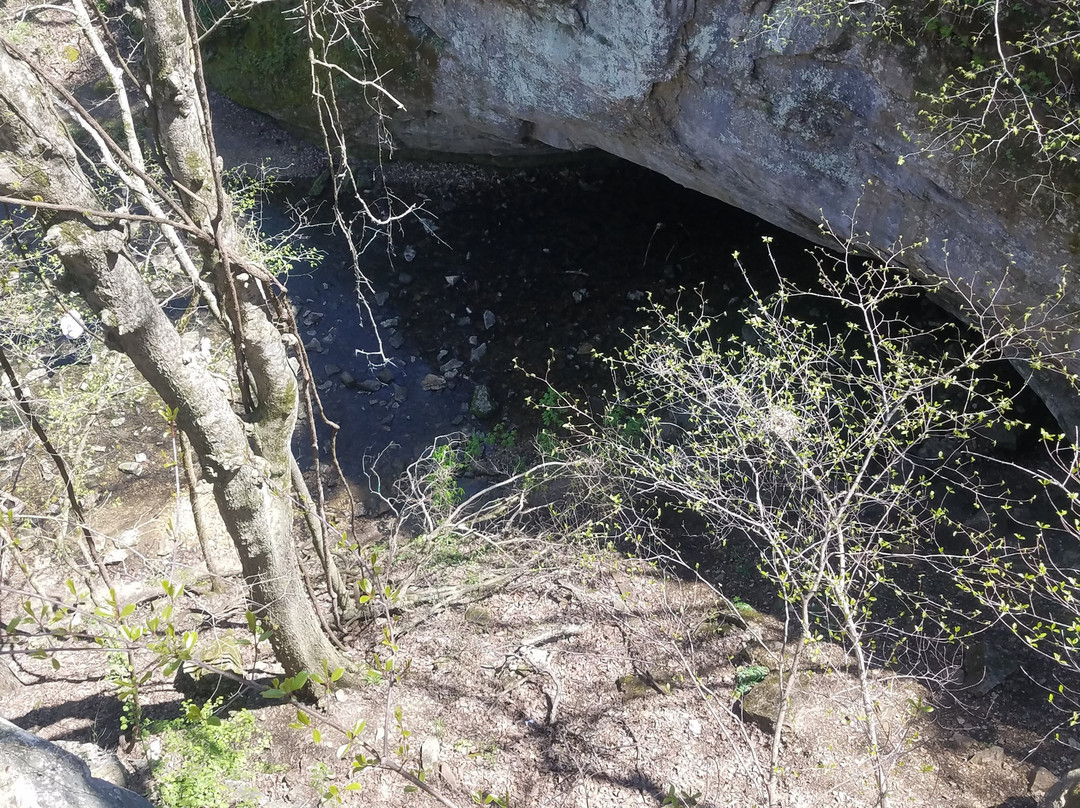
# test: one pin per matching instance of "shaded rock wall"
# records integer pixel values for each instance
(794, 129)
(37, 774)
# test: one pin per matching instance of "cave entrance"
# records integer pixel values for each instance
(507, 273)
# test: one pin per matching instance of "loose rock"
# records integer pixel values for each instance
(1041, 780)
(433, 382)
(991, 757)
(429, 755)
(451, 367)
(115, 555)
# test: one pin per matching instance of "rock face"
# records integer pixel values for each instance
(1065, 794)
(37, 774)
(797, 125)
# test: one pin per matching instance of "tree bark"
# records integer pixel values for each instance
(248, 461)
(198, 516)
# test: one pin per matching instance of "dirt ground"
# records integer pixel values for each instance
(579, 678)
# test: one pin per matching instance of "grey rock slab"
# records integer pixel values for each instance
(386, 376)
(130, 467)
(35, 773)
(370, 386)
(348, 379)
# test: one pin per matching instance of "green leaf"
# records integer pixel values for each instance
(294, 683)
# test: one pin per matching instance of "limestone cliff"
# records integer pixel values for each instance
(796, 128)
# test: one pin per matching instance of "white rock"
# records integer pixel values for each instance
(72, 325)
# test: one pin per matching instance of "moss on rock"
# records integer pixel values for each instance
(261, 62)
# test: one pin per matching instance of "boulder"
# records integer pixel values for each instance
(35, 773)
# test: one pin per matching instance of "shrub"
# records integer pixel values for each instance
(206, 762)
(831, 443)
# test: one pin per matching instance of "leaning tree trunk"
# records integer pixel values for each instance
(247, 460)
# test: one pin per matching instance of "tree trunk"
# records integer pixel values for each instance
(246, 460)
